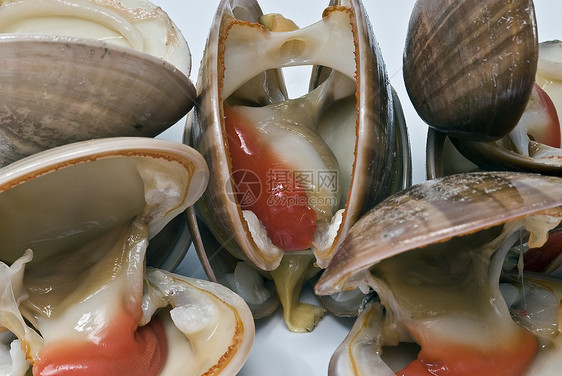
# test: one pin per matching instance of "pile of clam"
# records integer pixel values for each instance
(464, 269)
(460, 274)
(85, 188)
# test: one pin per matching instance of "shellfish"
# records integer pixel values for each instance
(322, 158)
(534, 145)
(469, 66)
(435, 255)
(76, 222)
(76, 70)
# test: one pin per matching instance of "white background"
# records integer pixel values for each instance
(276, 351)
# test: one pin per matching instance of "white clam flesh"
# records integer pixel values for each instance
(76, 224)
(538, 135)
(446, 301)
(137, 24)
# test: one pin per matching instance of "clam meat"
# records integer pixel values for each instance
(291, 175)
(445, 260)
(77, 297)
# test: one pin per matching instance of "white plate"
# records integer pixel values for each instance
(276, 351)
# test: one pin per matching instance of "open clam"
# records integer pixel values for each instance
(76, 70)
(469, 66)
(316, 162)
(440, 256)
(482, 87)
(76, 222)
(534, 145)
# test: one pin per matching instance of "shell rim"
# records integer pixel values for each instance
(496, 156)
(59, 41)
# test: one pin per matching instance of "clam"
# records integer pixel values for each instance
(534, 145)
(81, 69)
(319, 161)
(469, 66)
(447, 262)
(76, 295)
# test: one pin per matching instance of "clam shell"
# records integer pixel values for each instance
(58, 90)
(469, 66)
(218, 346)
(435, 211)
(92, 186)
(373, 116)
(376, 148)
(549, 70)
(502, 155)
(442, 158)
(138, 24)
(491, 156)
(433, 254)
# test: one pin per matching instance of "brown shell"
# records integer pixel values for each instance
(59, 90)
(435, 211)
(491, 156)
(444, 153)
(469, 66)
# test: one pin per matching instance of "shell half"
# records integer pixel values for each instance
(534, 145)
(469, 66)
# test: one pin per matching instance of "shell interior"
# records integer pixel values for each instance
(77, 223)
